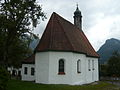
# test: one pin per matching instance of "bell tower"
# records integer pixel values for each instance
(78, 18)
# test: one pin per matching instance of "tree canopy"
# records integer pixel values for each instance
(18, 18)
(113, 68)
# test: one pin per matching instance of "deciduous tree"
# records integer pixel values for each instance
(17, 18)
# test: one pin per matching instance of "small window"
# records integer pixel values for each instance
(93, 65)
(89, 65)
(25, 70)
(61, 67)
(78, 66)
(19, 73)
(32, 71)
(13, 72)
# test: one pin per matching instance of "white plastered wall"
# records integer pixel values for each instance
(79, 78)
(42, 67)
(47, 68)
(54, 77)
(92, 75)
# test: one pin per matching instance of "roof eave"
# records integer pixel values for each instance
(95, 56)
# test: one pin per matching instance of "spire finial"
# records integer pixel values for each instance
(77, 4)
(77, 7)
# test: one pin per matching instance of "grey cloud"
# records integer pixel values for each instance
(93, 11)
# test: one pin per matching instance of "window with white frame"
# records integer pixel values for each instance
(93, 65)
(89, 65)
(25, 70)
(79, 66)
(32, 71)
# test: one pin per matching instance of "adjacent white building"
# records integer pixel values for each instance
(64, 55)
(28, 69)
(14, 71)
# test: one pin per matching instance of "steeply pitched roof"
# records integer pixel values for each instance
(29, 60)
(61, 35)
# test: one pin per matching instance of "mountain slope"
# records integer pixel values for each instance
(34, 43)
(107, 49)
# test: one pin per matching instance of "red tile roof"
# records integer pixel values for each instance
(61, 35)
(29, 60)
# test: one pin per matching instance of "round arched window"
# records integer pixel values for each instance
(61, 68)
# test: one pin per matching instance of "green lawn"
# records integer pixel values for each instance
(20, 85)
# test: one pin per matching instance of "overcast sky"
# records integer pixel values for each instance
(101, 18)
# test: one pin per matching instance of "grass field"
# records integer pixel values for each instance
(21, 85)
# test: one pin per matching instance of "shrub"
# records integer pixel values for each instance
(4, 77)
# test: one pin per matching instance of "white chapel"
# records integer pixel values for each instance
(63, 56)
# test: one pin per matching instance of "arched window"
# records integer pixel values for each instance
(61, 69)
(78, 66)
